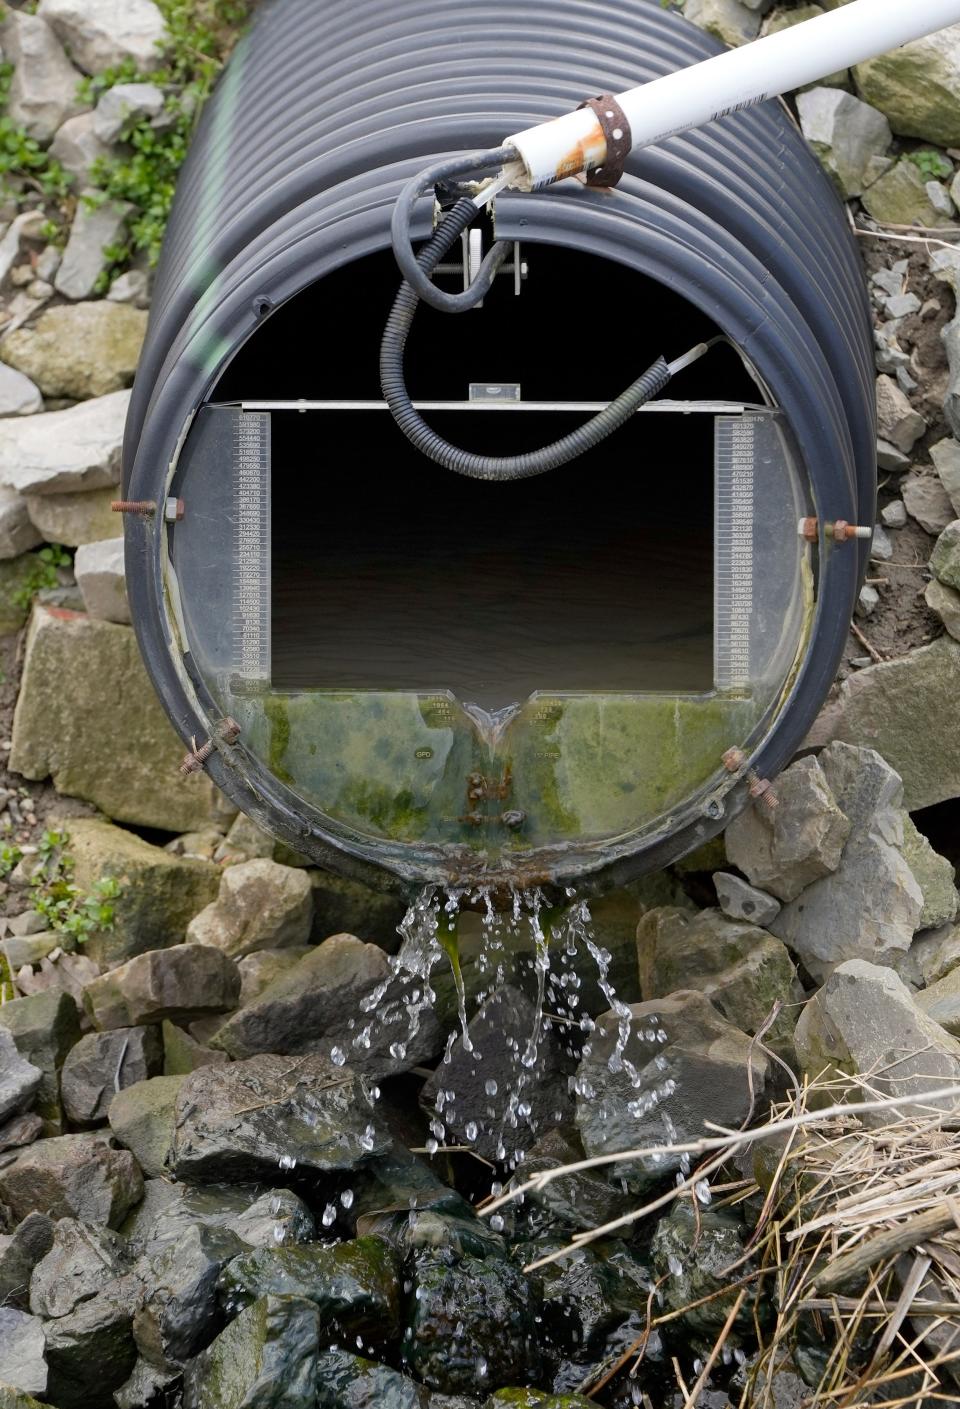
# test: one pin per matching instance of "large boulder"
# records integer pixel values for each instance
(344, 1377)
(657, 1072)
(88, 349)
(870, 907)
(181, 1315)
(22, 1364)
(103, 1063)
(141, 1117)
(73, 1176)
(260, 905)
(81, 1262)
(43, 86)
(265, 1359)
(159, 892)
(102, 34)
(63, 451)
(184, 982)
(88, 716)
(917, 87)
(934, 875)
(19, 1079)
(44, 1026)
(91, 1352)
(246, 1120)
(865, 1020)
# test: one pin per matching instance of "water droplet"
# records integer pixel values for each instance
(346, 1198)
(496, 1223)
(470, 1130)
(288, 1161)
(491, 1087)
(329, 1215)
(338, 1056)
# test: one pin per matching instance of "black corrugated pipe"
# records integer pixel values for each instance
(275, 282)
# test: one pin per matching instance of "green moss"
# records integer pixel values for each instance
(275, 709)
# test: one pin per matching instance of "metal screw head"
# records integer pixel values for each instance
(714, 809)
(513, 819)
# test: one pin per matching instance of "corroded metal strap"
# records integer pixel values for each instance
(617, 135)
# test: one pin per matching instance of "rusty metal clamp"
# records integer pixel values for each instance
(617, 135)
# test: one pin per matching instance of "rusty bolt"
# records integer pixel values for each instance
(840, 531)
(762, 789)
(733, 760)
(514, 819)
(146, 508)
(173, 510)
(228, 730)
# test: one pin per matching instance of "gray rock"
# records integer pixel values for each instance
(894, 514)
(261, 905)
(305, 1113)
(141, 1117)
(693, 1249)
(65, 450)
(945, 266)
(122, 106)
(275, 1219)
(344, 906)
(101, 34)
(147, 1385)
(945, 558)
(725, 19)
(20, 1251)
(91, 1352)
(19, 1079)
(865, 1020)
(81, 1262)
(845, 134)
(22, 1364)
(941, 1002)
(797, 844)
(182, 1053)
(129, 771)
(369, 1384)
(897, 422)
(103, 1063)
(43, 88)
(870, 907)
(265, 1359)
(133, 287)
(881, 548)
(889, 458)
(258, 970)
(74, 519)
(80, 350)
(926, 500)
(17, 533)
(180, 1315)
(183, 982)
(867, 601)
(945, 602)
(169, 1210)
(905, 709)
(73, 1176)
(60, 973)
(506, 1088)
(934, 875)
(941, 201)
(19, 396)
(584, 1199)
(44, 1026)
(917, 87)
(900, 197)
(902, 305)
(316, 1006)
(94, 229)
(662, 1088)
(76, 147)
(946, 458)
(26, 226)
(931, 956)
(101, 577)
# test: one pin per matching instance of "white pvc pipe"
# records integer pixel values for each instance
(736, 79)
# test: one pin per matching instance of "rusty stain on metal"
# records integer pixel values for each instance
(733, 760)
(617, 141)
(580, 156)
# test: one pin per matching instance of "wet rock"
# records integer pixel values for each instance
(584, 1200)
(725, 19)
(64, 450)
(142, 1116)
(531, 1399)
(246, 1120)
(897, 422)
(17, 533)
(870, 907)
(743, 970)
(181, 1315)
(19, 396)
(183, 1053)
(169, 1210)
(945, 602)
(101, 35)
(343, 906)
(73, 519)
(73, 1176)
(159, 891)
(316, 1006)
(926, 500)
(103, 1063)
(740, 901)
(682, 1064)
(941, 1002)
(87, 349)
(102, 581)
(864, 1019)
(44, 1027)
(917, 87)
(934, 875)
(348, 1381)
(502, 1088)
(905, 709)
(184, 982)
(20, 1251)
(946, 458)
(265, 1359)
(355, 1285)
(15, 1399)
(19, 1079)
(96, 227)
(588, 1295)
(846, 134)
(147, 1385)
(121, 106)
(43, 86)
(76, 147)
(900, 197)
(91, 1352)
(81, 1263)
(693, 1250)
(276, 1218)
(800, 842)
(612, 921)
(22, 1364)
(473, 1323)
(261, 905)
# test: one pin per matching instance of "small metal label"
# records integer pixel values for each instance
(251, 583)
